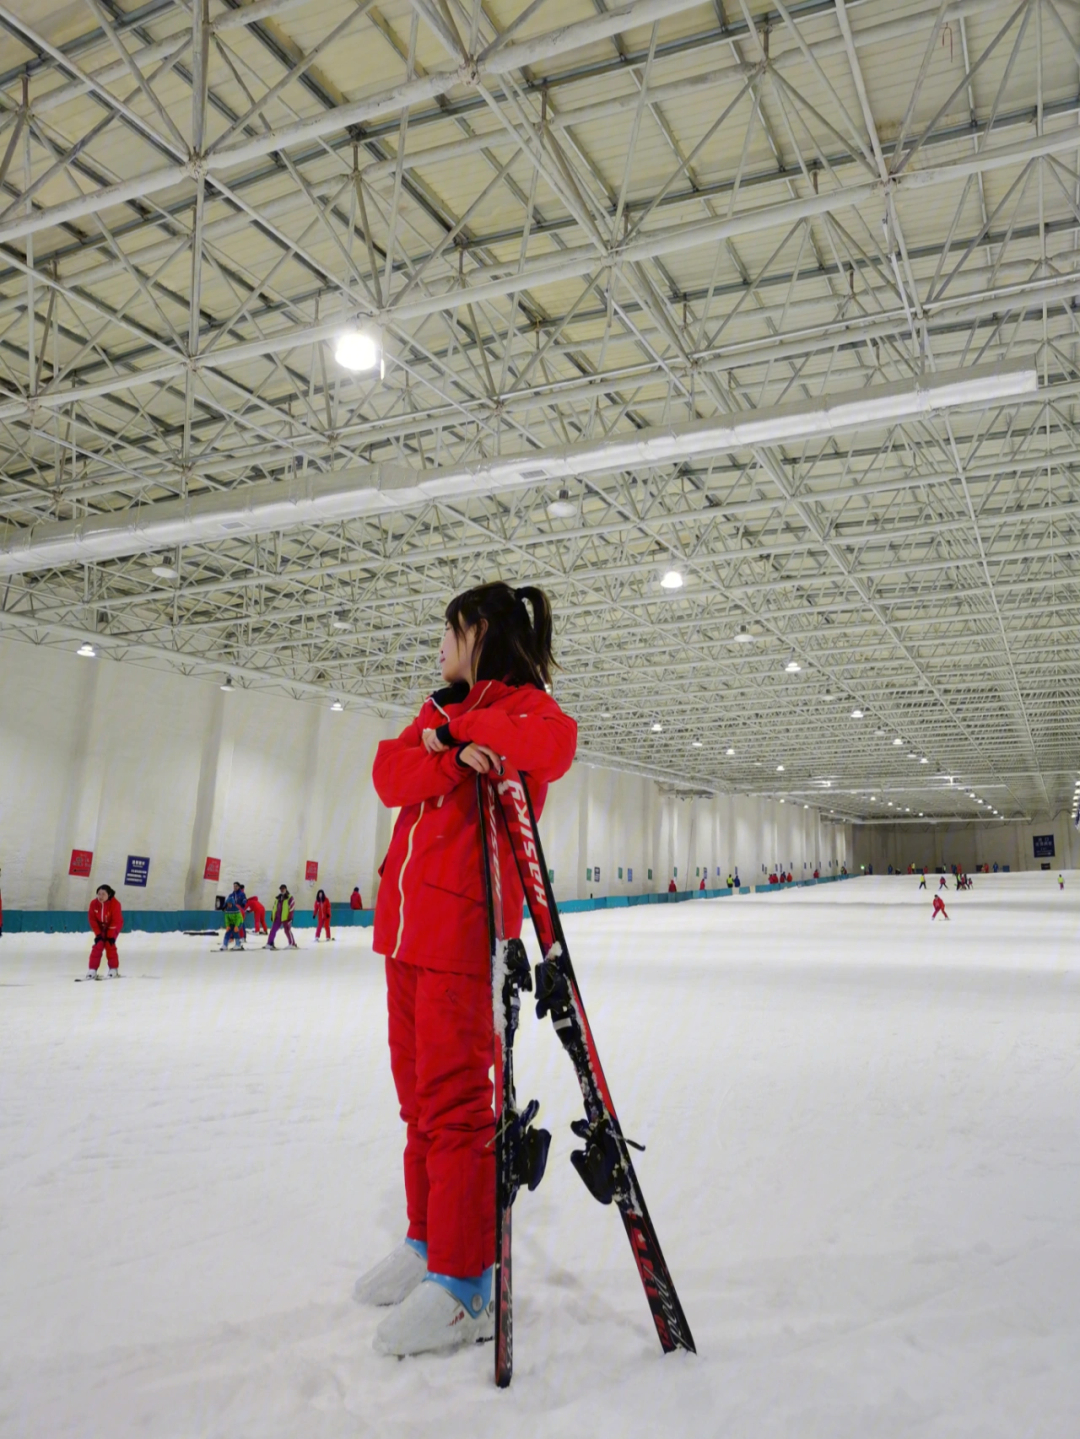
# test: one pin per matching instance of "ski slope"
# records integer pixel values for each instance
(863, 1162)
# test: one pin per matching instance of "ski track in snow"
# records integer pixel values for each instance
(863, 1163)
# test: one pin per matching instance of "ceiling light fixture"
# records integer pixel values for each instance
(657, 728)
(793, 667)
(779, 769)
(337, 706)
(898, 740)
(359, 351)
(164, 572)
(856, 714)
(744, 637)
(729, 751)
(672, 580)
(87, 651)
(562, 507)
(696, 744)
(227, 685)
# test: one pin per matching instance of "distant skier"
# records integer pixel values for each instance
(738, 882)
(939, 907)
(431, 924)
(106, 922)
(730, 882)
(355, 902)
(241, 899)
(672, 886)
(1061, 881)
(922, 881)
(282, 918)
(322, 915)
(941, 883)
(257, 910)
(234, 921)
(701, 886)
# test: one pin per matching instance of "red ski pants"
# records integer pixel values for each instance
(322, 924)
(109, 946)
(441, 1053)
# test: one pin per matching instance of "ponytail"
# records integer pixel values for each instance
(514, 644)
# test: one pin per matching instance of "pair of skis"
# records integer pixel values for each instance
(604, 1164)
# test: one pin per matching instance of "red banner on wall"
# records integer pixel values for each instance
(312, 871)
(212, 869)
(81, 861)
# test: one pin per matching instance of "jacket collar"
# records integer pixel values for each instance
(451, 695)
(481, 694)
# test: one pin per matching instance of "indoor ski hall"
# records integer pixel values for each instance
(539, 719)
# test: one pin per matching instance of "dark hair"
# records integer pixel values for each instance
(514, 645)
(320, 894)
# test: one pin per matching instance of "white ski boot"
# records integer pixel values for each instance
(92, 974)
(432, 1319)
(395, 1277)
(114, 973)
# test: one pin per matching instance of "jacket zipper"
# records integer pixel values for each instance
(401, 880)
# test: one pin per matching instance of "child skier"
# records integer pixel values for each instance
(355, 899)
(283, 912)
(939, 907)
(322, 915)
(1061, 881)
(234, 921)
(106, 922)
(431, 926)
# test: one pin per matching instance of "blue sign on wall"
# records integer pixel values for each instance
(138, 867)
(1044, 846)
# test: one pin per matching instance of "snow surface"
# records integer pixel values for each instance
(863, 1162)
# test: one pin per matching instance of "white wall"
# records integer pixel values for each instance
(108, 757)
(602, 817)
(969, 845)
(120, 760)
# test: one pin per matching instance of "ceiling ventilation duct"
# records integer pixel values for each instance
(313, 499)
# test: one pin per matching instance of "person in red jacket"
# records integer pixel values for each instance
(939, 907)
(355, 900)
(106, 922)
(431, 926)
(702, 884)
(322, 915)
(257, 910)
(672, 887)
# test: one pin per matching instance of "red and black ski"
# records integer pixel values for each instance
(520, 1150)
(604, 1164)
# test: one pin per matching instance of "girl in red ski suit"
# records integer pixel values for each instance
(106, 922)
(322, 914)
(939, 907)
(431, 914)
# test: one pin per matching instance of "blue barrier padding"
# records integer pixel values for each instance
(165, 921)
(157, 921)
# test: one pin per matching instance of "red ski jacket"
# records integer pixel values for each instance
(432, 910)
(106, 920)
(322, 909)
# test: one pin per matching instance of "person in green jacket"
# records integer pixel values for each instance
(283, 913)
